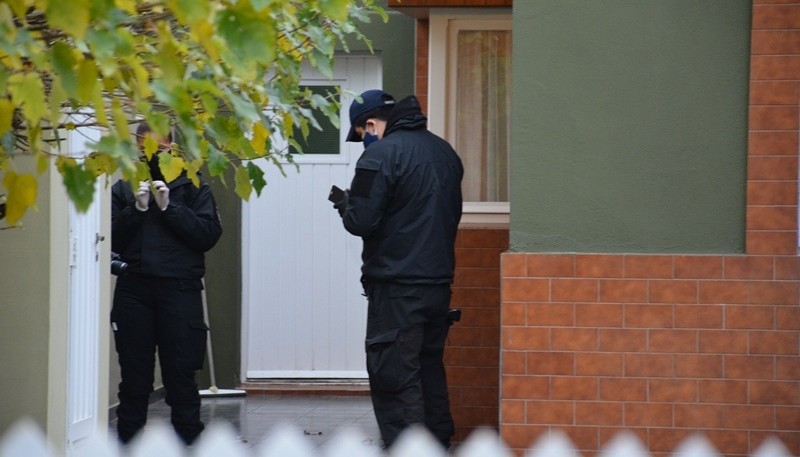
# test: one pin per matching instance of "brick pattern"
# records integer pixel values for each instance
(472, 354)
(422, 60)
(659, 344)
(774, 123)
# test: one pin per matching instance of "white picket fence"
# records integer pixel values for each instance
(25, 439)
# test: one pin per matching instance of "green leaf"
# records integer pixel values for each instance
(21, 194)
(250, 37)
(27, 91)
(79, 183)
(190, 11)
(243, 106)
(243, 186)
(71, 17)
(336, 9)
(64, 63)
(217, 162)
(257, 177)
(169, 61)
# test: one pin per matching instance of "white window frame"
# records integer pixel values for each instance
(444, 25)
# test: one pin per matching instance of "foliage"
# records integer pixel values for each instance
(223, 74)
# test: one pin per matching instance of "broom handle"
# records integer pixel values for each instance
(208, 337)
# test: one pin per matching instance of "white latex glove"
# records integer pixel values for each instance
(143, 196)
(162, 194)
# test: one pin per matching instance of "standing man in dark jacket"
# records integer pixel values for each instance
(405, 202)
(161, 230)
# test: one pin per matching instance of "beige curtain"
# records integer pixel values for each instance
(483, 105)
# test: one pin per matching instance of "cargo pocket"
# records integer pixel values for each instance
(195, 348)
(383, 361)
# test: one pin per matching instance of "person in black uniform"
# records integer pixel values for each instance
(161, 230)
(405, 203)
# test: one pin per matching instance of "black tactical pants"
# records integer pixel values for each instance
(406, 330)
(167, 315)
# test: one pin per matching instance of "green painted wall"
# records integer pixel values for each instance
(629, 125)
(25, 315)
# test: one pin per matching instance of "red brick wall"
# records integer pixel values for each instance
(663, 345)
(472, 354)
(666, 345)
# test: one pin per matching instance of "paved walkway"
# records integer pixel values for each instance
(252, 416)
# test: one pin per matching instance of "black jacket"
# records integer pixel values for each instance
(169, 243)
(405, 202)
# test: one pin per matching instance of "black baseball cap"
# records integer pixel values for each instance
(370, 101)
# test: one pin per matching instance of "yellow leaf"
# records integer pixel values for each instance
(6, 115)
(129, 6)
(171, 166)
(99, 106)
(42, 162)
(21, 195)
(192, 171)
(20, 6)
(120, 119)
(57, 96)
(260, 136)
(243, 186)
(150, 146)
(27, 91)
(87, 80)
(203, 32)
(72, 17)
(142, 78)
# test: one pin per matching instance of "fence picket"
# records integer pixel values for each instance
(696, 446)
(349, 443)
(625, 444)
(25, 439)
(157, 439)
(219, 440)
(483, 442)
(772, 447)
(285, 441)
(553, 444)
(417, 442)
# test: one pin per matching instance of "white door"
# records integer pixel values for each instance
(304, 315)
(84, 311)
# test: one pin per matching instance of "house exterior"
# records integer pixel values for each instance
(646, 276)
(629, 262)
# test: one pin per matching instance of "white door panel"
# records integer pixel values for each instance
(304, 315)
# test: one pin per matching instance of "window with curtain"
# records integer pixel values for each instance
(482, 108)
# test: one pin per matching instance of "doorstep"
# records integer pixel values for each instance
(307, 387)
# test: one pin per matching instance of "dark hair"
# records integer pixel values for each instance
(381, 113)
(143, 129)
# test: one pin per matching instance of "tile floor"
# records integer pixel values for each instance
(252, 416)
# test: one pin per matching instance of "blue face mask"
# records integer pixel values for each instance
(369, 139)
